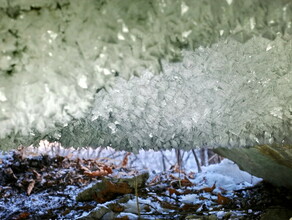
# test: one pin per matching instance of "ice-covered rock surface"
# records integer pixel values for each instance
(56, 54)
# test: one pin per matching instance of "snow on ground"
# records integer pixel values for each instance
(224, 176)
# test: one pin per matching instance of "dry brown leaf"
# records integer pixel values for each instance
(22, 216)
(117, 207)
(173, 177)
(209, 189)
(177, 169)
(222, 199)
(147, 208)
(98, 173)
(36, 174)
(84, 168)
(107, 169)
(10, 173)
(191, 175)
(66, 212)
(187, 191)
(104, 171)
(167, 205)
(190, 207)
(173, 191)
(223, 190)
(20, 152)
(186, 182)
(155, 180)
(30, 187)
(125, 160)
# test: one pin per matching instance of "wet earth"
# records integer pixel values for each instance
(43, 187)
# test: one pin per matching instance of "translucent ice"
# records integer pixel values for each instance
(55, 55)
(230, 94)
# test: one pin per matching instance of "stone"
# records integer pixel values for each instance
(107, 210)
(272, 163)
(109, 188)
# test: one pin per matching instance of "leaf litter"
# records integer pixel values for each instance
(43, 186)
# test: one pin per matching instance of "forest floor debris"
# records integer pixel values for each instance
(46, 187)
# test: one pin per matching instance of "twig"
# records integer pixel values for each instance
(179, 159)
(137, 199)
(163, 160)
(99, 152)
(197, 161)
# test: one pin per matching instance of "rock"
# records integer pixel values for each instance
(272, 163)
(109, 188)
(96, 213)
(107, 210)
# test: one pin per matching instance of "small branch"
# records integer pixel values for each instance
(197, 161)
(137, 198)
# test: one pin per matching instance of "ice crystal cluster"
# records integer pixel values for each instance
(67, 67)
(226, 95)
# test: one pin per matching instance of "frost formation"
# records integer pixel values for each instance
(226, 95)
(230, 87)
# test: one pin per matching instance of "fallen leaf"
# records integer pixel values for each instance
(173, 191)
(222, 199)
(125, 160)
(147, 208)
(104, 171)
(188, 191)
(20, 152)
(186, 182)
(174, 177)
(108, 169)
(191, 175)
(84, 168)
(155, 180)
(167, 205)
(36, 174)
(30, 187)
(66, 212)
(9, 172)
(209, 189)
(223, 190)
(98, 173)
(117, 207)
(22, 216)
(190, 207)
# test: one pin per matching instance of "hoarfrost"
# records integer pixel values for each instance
(56, 54)
(230, 94)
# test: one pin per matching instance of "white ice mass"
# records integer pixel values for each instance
(67, 73)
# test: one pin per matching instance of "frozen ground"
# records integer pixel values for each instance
(224, 178)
